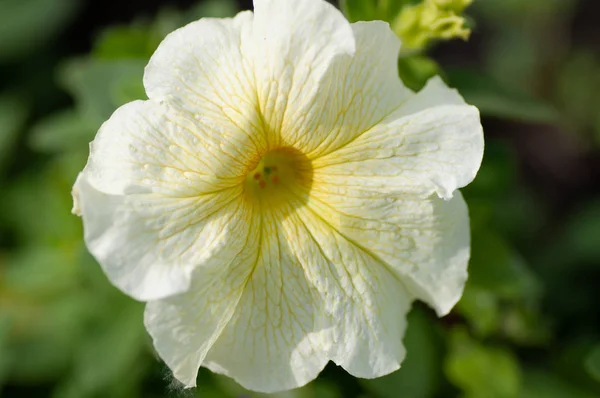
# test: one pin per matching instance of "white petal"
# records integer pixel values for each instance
(156, 197)
(205, 69)
(294, 43)
(273, 341)
(184, 327)
(432, 143)
(358, 91)
(148, 246)
(424, 242)
(146, 147)
(365, 303)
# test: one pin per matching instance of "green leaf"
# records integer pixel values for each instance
(497, 174)
(496, 267)
(123, 42)
(578, 88)
(6, 358)
(40, 271)
(481, 308)
(26, 25)
(101, 86)
(212, 9)
(582, 232)
(359, 10)
(481, 371)
(592, 362)
(419, 376)
(13, 113)
(110, 351)
(369, 10)
(38, 209)
(415, 70)
(62, 131)
(494, 99)
(539, 384)
(49, 331)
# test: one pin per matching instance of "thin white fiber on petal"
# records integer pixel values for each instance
(294, 44)
(184, 327)
(432, 144)
(274, 341)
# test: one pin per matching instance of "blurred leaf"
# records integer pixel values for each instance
(494, 99)
(212, 9)
(498, 277)
(229, 388)
(62, 131)
(369, 10)
(27, 24)
(526, 325)
(495, 266)
(359, 10)
(510, 13)
(481, 308)
(123, 42)
(48, 335)
(579, 88)
(570, 356)
(109, 352)
(481, 371)
(497, 174)
(415, 70)
(539, 384)
(13, 114)
(581, 234)
(419, 375)
(38, 209)
(592, 362)
(5, 354)
(169, 19)
(101, 86)
(39, 272)
(513, 59)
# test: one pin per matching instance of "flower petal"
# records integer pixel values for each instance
(146, 147)
(294, 43)
(358, 91)
(432, 143)
(424, 242)
(156, 197)
(365, 304)
(147, 245)
(184, 327)
(273, 341)
(205, 69)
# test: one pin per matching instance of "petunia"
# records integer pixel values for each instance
(281, 198)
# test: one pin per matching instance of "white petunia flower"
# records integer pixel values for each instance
(281, 198)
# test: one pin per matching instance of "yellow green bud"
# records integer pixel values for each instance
(418, 25)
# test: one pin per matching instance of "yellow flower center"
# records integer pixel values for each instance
(279, 176)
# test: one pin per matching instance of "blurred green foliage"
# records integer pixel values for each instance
(527, 325)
